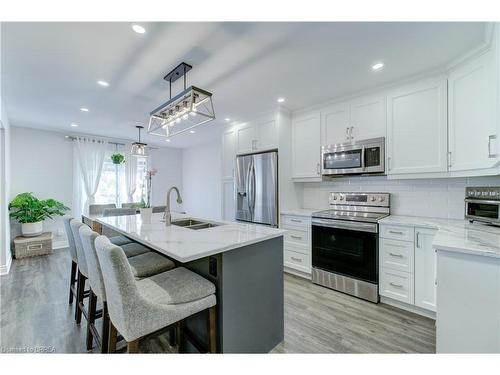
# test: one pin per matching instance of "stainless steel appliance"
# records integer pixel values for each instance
(483, 204)
(360, 157)
(345, 243)
(257, 188)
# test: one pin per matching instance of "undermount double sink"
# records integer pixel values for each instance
(194, 224)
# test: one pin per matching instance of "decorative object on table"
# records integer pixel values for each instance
(190, 108)
(139, 149)
(118, 158)
(31, 212)
(147, 210)
(25, 247)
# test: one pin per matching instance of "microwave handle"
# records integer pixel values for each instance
(363, 157)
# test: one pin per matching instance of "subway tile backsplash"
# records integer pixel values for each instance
(443, 197)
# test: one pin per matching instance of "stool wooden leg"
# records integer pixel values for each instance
(113, 335)
(105, 328)
(72, 280)
(91, 320)
(79, 297)
(179, 334)
(133, 347)
(212, 325)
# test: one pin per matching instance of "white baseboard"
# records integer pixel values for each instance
(4, 269)
(297, 273)
(408, 307)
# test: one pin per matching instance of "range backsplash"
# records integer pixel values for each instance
(440, 197)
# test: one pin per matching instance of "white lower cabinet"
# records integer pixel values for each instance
(407, 262)
(297, 244)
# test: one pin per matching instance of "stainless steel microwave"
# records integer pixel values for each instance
(483, 204)
(359, 157)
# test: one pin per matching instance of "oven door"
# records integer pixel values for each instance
(482, 210)
(346, 248)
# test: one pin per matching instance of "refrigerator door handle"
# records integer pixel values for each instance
(253, 188)
(248, 189)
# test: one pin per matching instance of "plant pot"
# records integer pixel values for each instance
(32, 229)
(146, 214)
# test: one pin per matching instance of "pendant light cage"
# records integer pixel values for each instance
(187, 110)
(139, 149)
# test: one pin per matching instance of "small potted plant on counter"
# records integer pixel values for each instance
(118, 158)
(31, 212)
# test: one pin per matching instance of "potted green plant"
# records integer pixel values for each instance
(118, 158)
(31, 212)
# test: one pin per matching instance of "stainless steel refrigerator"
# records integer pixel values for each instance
(257, 188)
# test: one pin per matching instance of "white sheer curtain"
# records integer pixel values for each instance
(130, 175)
(89, 156)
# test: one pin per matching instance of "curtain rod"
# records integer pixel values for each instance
(72, 137)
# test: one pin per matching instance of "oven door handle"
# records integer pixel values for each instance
(363, 158)
(338, 224)
(484, 201)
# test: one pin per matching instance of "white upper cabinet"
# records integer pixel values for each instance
(417, 128)
(267, 133)
(245, 138)
(228, 153)
(472, 114)
(258, 135)
(425, 269)
(306, 146)
(367, 118)
(335, 124)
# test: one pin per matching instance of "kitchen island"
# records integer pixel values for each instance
(244, 261)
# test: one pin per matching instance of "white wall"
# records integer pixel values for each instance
(5, 254)
(42, 163)
(201, 180)
(168, 162)
(443, 198)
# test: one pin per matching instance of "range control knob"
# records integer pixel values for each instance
(334, 197)
(372, 199)
(341, 198)
(381, 199)
(484, 193)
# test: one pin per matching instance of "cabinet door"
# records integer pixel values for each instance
(335, 125)
(306, 151)
(368, 118)
(267, 134)
(416, 128)
(472, 115)
(228, 207)
(245, 138)
(228, 153)
(425, 269)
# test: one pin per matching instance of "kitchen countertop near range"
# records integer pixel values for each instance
(455, 235)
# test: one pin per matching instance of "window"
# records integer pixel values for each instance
(112, 186)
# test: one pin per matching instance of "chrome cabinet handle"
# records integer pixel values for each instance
(350, 133)
(296, 220)
(490, 138)
(389, 163)
(396, 255)
(318, 169)
(418, 242)
(449, 159)
(395, 232)
(347, 133)
(296, 237)
(396, 285)
(296, 259)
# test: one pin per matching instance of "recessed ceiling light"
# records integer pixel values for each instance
(74, 125)
(192, 131)
(167, 140)
(281, 100)
(378, 66)
(227, 119)
(83, 109)
(103, 83)
(138, 29)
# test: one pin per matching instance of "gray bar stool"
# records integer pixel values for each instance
(119, 212)
(130, 205)
(98, 209)
(74, 258)
(138, 308)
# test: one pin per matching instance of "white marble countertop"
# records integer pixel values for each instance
(455, 235)
(306, 212)
(184, 244)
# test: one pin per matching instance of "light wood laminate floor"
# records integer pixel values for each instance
(35, 316)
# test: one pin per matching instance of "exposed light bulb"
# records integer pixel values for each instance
(378, 66)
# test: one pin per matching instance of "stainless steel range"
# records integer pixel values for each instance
(345, 243)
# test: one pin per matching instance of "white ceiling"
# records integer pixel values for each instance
(49, 70)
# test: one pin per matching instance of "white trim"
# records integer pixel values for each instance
(295, 272)
(407, 307)
(5, 269)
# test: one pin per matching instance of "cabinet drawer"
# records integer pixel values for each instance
(297, 236)
(397, 255)
(397, 285)
(297, 221)
(298, 261)
(396, 232)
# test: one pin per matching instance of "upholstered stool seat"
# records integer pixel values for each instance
(149, 264)
(133, 249)
(120, 240)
